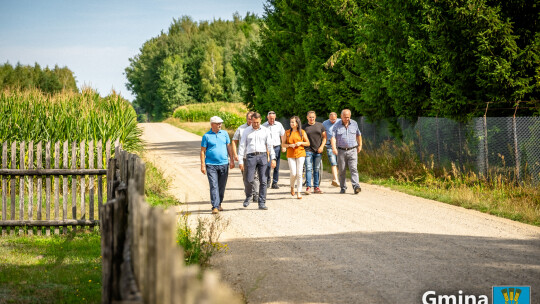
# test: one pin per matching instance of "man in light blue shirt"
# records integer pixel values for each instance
(216, 158)
(328, 126)
(257, 147)
(277, 131)
(347, 143)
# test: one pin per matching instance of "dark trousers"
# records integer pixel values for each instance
(249, 189)
(217, 178)
(275, 177)
(257, 163)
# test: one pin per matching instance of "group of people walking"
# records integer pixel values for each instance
(257, 148)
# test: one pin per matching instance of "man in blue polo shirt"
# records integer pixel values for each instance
(346, 144)
(216, 158)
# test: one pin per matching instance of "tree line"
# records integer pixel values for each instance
(34, 77)
(399, 58)
(191, 62)
(381, 59)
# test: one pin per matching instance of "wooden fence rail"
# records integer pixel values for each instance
(141, 262)
(26, 173)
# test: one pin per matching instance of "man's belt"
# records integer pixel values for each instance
(277, 146)
(256, 153)
(341, 148)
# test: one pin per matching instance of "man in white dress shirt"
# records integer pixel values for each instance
(257, 148)
(248, 188)
(277, 131)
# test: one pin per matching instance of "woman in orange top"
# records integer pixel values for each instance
(294, 141)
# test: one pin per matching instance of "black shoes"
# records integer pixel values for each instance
(275, 186)
(357, 190)
(263, 207)
(342, 191)
(246, 202)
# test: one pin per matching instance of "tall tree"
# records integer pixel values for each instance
(173, 89)
(211, 72)
(206, 51)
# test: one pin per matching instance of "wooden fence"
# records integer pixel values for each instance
(141, 262)
(24, 171)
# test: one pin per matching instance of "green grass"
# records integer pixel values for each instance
(57, 269)
(156, 187)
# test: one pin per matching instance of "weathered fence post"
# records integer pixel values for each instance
(21, 186)
(4, 186)
(39, 185)
(13, 166)
(31, 185)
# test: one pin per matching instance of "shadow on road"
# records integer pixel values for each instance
(405, 265)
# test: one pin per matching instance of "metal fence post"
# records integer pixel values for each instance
(516, 151)
(460, 144)
(486, 141)
(438, 142)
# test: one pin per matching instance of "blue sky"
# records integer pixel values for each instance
(96, 38)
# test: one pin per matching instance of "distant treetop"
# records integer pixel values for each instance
(46, 80)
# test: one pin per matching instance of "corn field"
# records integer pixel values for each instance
(32, 116)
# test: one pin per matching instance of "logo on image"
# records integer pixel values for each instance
(511, 295)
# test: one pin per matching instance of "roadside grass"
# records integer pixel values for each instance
(156, 187)
(56, 269)
(396, 166)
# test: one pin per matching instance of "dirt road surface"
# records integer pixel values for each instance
(379, 246)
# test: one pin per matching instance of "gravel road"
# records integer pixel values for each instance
(379, 246)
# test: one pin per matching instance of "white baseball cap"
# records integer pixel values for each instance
(216, 119)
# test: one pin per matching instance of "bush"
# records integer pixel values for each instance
(233, 114)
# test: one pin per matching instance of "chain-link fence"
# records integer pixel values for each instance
(486, 145)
